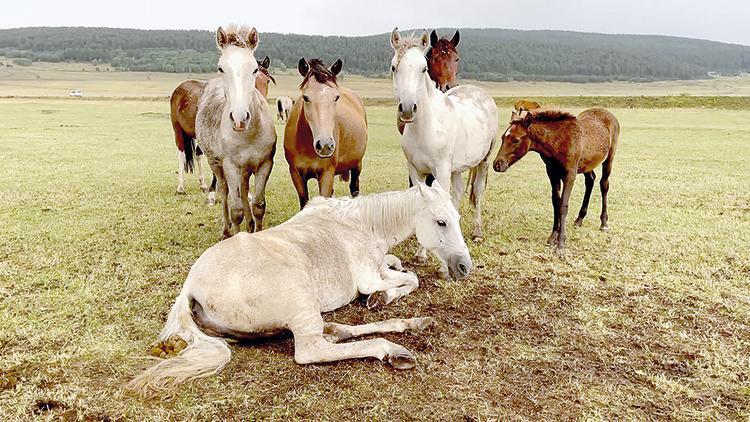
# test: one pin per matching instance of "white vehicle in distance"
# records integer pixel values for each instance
(76, 93)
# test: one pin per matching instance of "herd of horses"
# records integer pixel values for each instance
(258, 283)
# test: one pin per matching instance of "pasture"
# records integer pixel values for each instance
(650, 320)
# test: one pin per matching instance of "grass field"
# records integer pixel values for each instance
(650, 320)
(57, 79)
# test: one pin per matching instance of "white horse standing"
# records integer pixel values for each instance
(283, 107)
(236, 130)
(258, 284)
(447, 133)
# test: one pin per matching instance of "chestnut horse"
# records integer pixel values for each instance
(568, 145)
(326, 133)
(183, 108)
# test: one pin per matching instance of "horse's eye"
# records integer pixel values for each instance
(457, 59)
(424, 70)
(516, 141)
(255, 71)
(337, 98)
(306, 98)
(221, 70)
(441, 223)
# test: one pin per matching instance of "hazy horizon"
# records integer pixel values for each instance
(721, 20)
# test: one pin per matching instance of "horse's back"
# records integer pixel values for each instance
(476, 111)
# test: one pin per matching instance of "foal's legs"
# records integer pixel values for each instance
(300, 185)
(180, 172)
(555, 182)
(477, 190)
(604, 185)
(590, 178)
(259, 200)
(568, 182)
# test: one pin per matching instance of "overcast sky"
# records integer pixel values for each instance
(719, 20)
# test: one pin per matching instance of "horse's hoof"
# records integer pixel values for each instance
(421, 324)
(376, 300)
(552, 239)
(421, 259)
(210, 202)
(478, 239)
(403, 359)
(204, 189)
(604, 228)
(180, 192)
(578, 222)
(560, 251)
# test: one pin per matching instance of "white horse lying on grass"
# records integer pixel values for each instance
(260, 284)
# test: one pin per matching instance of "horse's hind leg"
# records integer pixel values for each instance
(259, 199)
(181, 172)
(311, 346)
(477, 190)
(339, 332)
(211, 197)
(199, 157)
(354, 180)
(604, 185)
(590, 179)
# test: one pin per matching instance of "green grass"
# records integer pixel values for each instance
(650, 320)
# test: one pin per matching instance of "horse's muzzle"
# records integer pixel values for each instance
(406, 112)
(460, 266)
(500, 166)
(325, 148)
(238, 125)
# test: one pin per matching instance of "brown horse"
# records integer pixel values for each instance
(442, 65)
(326, 133)
(568, 145)
(526, 105)
(183, 108)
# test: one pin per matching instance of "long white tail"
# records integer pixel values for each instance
(204, 355)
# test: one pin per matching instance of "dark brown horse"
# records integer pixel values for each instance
(568, 145)
(526, 105)
(183, 108)
(326, 133)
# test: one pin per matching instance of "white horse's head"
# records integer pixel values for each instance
(238, 69)
(409, 72)
(438, 229)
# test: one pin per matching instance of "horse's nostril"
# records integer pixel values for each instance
(414, 108)
(318, 145)
(247, 115)
(400, 108)
(231, 117)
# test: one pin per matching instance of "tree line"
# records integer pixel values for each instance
(486, 54)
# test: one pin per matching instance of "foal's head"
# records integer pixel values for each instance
(264, 77)
(442, 60)
(409, 71)
(320, 93)
(238, 70)
(516, 141)
(439, 231)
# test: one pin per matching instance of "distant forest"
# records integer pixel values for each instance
(486, 54)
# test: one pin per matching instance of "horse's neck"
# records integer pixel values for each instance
(430, 107)
(545, 139)
(390, 216)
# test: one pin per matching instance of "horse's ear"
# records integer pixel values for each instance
(252, 39)
(456, 38)
(527, 119)
(433, 38)
(424, 40)
(395, 38)
(336, 67)
(265, 63)
(423, 189)
(222, 39)
(303, 67)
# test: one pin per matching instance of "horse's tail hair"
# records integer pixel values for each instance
(278, 105)
(204, 355)
(189, 152)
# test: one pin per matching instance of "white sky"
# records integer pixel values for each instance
(719, 20)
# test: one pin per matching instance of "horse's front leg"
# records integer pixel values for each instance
(325, 182)
(568, 182)
(259, 199)
(233, 176)
(388, 284)
(244, 198)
